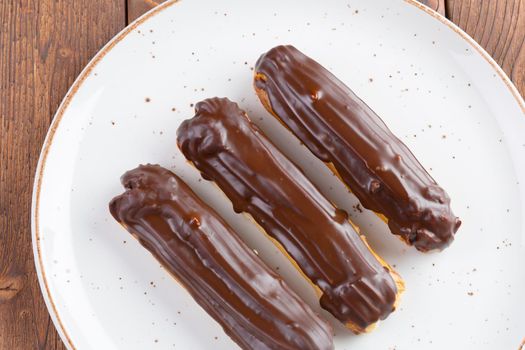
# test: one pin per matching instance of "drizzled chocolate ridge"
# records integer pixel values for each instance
(258, 179)
(253, 305)
(340, 129)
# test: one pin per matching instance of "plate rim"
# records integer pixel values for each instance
(86, 72)
(39, 173)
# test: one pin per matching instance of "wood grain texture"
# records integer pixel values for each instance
(43, 46)
(499, 27)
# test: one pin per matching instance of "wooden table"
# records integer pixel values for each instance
(43, 46)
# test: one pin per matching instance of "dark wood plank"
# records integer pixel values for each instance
(43, 46)
(436, 5)
(498, 26)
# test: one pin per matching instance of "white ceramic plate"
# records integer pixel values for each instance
(435, 88)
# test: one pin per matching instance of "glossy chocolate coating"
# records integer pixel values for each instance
(232, 151)
(339, 128)
(253, 305)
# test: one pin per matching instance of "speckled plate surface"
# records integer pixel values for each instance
(431, 84)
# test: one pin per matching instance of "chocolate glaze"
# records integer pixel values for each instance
(230, 150)
(253, 305)
(339, 128)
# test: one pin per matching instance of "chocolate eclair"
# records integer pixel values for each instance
(354, 284)
(346, 134)
(252, 304)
